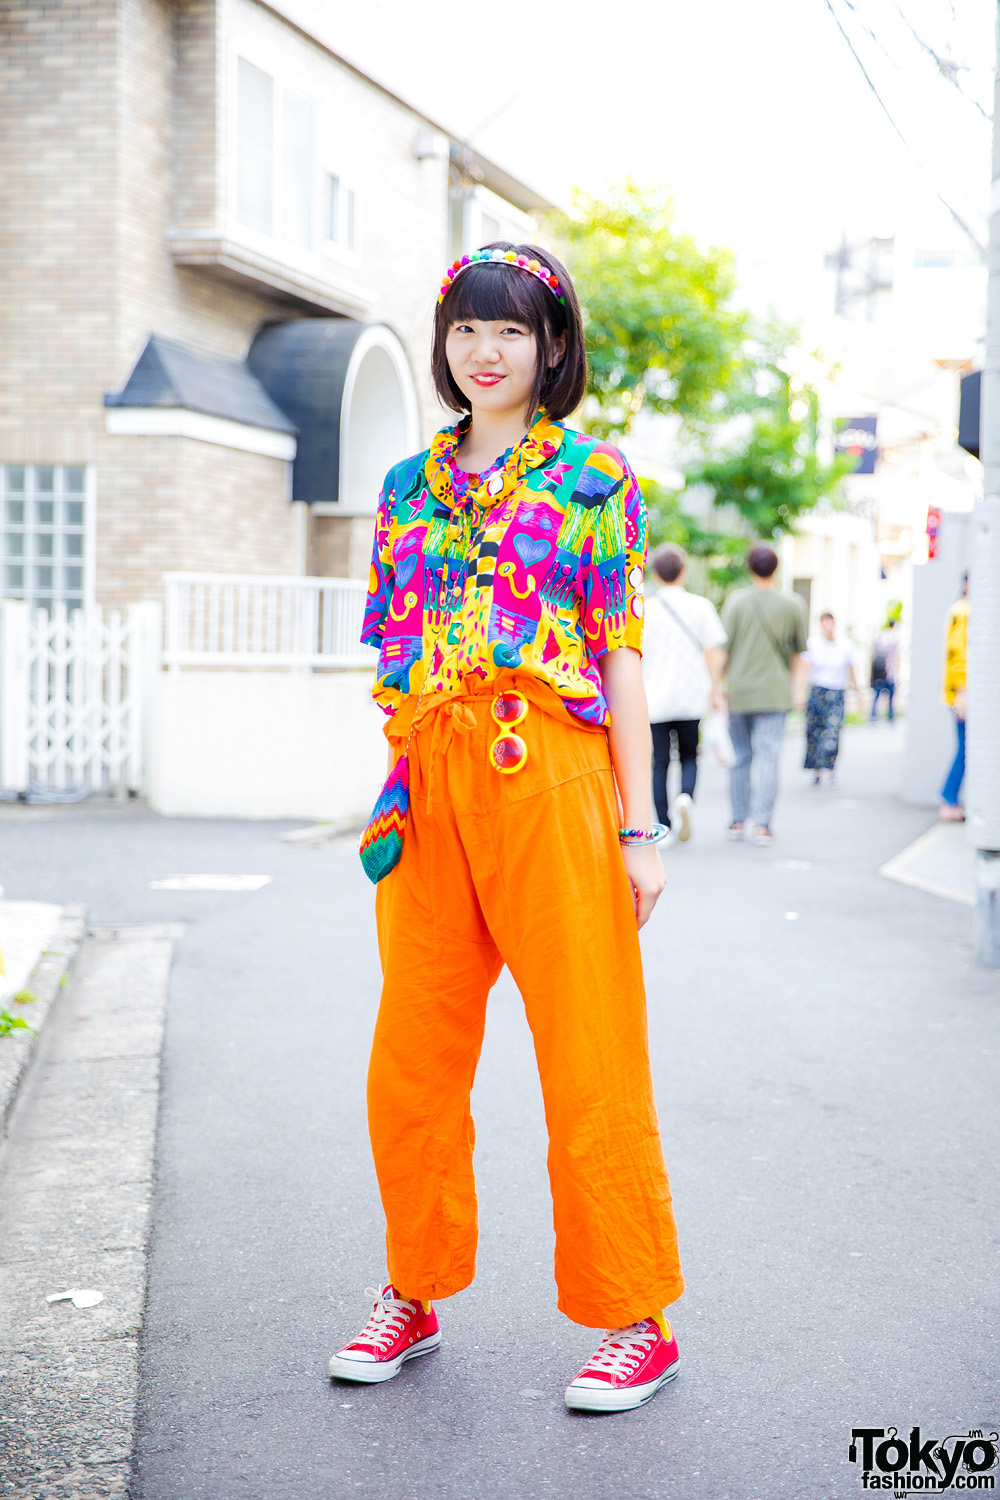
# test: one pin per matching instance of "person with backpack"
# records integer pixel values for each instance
(766, 640)
(885, 661)
(682, 672)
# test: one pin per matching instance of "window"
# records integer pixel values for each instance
(275, 170)
(296, 169)
(43, 546)
(254, 148)
(340, 226)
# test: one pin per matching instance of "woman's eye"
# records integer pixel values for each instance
(460, 328)
(512, 329)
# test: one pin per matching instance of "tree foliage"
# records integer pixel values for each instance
(660, 328)
(663, 333)
(768, 471)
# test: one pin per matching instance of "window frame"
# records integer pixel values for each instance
(29, 592)
(338, 248)
(281, 89)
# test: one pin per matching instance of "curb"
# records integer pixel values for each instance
(47, 979)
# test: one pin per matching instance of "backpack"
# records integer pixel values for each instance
(880, 668)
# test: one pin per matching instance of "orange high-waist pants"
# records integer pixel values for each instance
(526, 870)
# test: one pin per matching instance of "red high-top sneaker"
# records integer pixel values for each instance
(395, 1332)
(629, 1367)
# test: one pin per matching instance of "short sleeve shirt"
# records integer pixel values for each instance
(830, 662)
(764, 630)
(680, 628)
(536, 564)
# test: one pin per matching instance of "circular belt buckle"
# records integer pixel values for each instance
(509, 708)
(508, 753)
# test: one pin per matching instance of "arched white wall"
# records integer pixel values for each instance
(378, 418)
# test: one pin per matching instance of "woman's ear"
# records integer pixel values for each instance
(557, 353)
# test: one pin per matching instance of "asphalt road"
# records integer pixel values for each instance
(827, 1091)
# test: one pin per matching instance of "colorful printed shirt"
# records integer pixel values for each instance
(537, 564)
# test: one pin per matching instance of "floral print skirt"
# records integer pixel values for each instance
(824, 716)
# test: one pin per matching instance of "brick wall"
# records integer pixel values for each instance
(340, 546)
(177, 504)
(117, 124)
(58, 196)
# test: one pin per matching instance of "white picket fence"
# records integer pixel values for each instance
(73, 691)
(82, 696)
(222, 619)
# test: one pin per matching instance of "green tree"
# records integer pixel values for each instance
(768, 470)
(663, 333)
(661, 330)
(762, 473)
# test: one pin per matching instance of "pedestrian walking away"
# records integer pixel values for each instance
(505, 599)
(956, 645)
(765, 640)
(885, 668)
(831, 670)
(682, 672)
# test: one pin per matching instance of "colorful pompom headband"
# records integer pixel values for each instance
(503, 258)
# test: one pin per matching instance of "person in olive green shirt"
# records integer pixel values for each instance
(765, 639)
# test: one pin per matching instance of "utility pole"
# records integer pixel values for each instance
(984, 605)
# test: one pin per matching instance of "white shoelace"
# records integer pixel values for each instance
(389, 1317)
(622, 1350)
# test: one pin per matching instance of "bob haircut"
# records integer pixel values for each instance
(489, 293)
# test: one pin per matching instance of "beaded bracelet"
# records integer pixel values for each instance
(632, 837)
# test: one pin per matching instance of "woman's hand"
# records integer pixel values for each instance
(644, 868)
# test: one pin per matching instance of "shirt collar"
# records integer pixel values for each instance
(540, 444)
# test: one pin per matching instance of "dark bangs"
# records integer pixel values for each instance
(497, 292)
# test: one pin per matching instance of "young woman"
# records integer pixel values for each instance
(505, 597)
(831, 669)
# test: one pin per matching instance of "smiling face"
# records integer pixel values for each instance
(502, 341)
(494, 363)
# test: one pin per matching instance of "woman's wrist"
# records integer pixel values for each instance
(633, 836)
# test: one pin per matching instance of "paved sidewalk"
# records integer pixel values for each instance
(75, 1189)
(824, 1054)
(39, 942)
(26, 928)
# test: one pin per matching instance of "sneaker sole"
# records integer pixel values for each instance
(682, 807)
(590, 1398)
(365, 1372)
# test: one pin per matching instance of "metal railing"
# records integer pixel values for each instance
(246, 620)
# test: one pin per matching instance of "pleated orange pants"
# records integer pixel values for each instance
(525, 870)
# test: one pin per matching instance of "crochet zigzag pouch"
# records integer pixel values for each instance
(382, 840)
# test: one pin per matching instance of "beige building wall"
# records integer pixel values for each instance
(119, 137)
(177, 504)
(58, 213)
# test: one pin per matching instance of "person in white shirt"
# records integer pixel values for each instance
(682, 666)
(831, 669)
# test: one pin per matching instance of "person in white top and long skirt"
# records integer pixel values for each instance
(682, 672)
(831, 669)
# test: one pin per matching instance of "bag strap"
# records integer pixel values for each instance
(758, 610)
(678, 621)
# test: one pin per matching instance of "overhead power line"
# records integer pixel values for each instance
(947, 69)
(963, 226)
